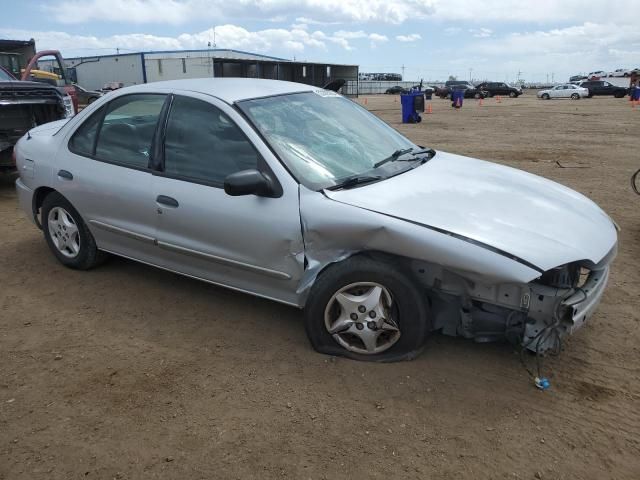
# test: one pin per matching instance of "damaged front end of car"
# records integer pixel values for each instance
(473, 290)
(536, 316)
(24, 105)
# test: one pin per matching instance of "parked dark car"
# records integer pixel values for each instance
(470, 91)
(499, 88)
(602, 88)
(85, 97)
(395, 90)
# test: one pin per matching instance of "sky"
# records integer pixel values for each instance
(429, 39)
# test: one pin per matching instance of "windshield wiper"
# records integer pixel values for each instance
(354, 181)
(395, 156)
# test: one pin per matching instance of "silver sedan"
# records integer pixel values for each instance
(569, 90)
(299, 195)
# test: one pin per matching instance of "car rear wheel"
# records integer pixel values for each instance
(545, 96)
(513, 94)
(365, 309)
(575, 96)
(67, 235)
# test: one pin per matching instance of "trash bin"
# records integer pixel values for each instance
(457, 97)
(412, 103)
(635, 94)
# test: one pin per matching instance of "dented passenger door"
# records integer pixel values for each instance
(251, 243)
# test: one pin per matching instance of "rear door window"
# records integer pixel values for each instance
(126, 134)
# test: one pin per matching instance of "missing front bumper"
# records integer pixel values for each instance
(556, 313)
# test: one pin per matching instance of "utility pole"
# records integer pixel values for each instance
(552, 75)
(470, 70)
(403, 71)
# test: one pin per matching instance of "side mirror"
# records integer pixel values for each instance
(248, 182)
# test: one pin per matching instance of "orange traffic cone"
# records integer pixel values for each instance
(498, 99)
(458, 105)
(366, 101)
(480, 102)
(429, 109)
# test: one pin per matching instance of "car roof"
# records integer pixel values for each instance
(230, 90)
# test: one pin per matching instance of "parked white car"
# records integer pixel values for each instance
(597, 75)
(620, 72)
(568, 90)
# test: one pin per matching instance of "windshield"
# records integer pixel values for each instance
(4, 76)
(324, 138)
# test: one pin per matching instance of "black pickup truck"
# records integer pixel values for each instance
(24, 105)
(602, 88)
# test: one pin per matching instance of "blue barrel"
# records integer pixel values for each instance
(412, 103)
(635, 93)
(457, 97)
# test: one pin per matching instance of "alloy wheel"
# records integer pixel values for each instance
(360, 317)
(64, 232)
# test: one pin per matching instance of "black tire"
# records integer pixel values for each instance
(545, 96)
(411, 309)
(635, 182)
(88, 256)
(575, 96)
(619, 95)
(513, 94)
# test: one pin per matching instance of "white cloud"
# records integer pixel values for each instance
(481, 32)
(323, 12)
(179, 12)
(375, 37)
(559, 52)
(413, 37)
(272, 40)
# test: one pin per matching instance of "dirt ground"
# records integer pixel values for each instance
(131, 372)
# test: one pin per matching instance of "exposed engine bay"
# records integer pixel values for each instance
(536, 316)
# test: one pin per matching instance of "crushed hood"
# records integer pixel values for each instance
(529, 217)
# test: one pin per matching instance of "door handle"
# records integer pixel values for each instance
(167, 201)
(65, 174)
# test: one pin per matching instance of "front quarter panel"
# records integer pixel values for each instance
(334, 231)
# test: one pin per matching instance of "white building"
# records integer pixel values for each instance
(144, 67)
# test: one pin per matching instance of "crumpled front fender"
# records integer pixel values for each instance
(333, 231)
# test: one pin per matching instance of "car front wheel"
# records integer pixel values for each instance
(575, 96)
(67, 235)
(513, 94)
(365, 309)
(545, 96)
